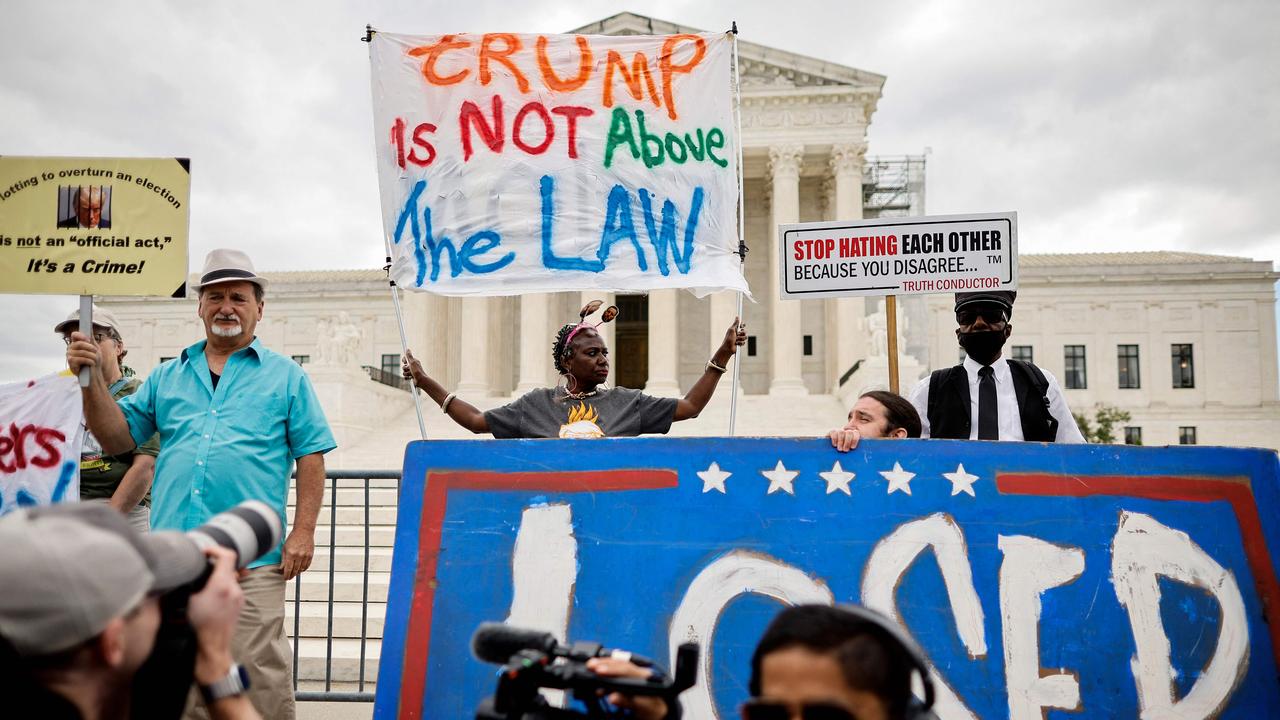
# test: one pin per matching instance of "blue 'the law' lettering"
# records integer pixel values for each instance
(667, 238)
(620, 225)
(424, 241)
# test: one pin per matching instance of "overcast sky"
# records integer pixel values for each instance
(1108, 126)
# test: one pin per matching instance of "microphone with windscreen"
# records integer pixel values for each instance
(498, 642)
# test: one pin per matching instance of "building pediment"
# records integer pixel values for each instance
(763, 69)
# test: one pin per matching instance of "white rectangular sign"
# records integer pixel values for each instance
(512, 163)
(899, 256)
(41, 433)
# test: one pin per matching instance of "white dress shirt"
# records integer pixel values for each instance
(1006, 404)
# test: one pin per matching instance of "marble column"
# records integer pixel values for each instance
(664, 344)
(785, 346)
(846, 342)
(535, 342)
(426, 326)
(473, 366)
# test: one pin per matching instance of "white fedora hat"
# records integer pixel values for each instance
(225, 265)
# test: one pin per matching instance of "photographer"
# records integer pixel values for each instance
(81, 611)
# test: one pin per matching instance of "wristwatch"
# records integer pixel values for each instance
(235, 682)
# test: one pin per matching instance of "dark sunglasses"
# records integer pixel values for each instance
(991, 315)
(97, 337)
(765, 710)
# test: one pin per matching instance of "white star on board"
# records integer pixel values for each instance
(961, 481)
(780, 478)
(837, 479)
(898, 478)
(713, 478)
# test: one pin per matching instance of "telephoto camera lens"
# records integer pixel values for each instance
(250, 530)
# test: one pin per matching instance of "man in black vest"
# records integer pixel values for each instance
(988, 397)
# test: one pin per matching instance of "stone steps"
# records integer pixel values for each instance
(313, 619)
(346, 660)
(350, 559)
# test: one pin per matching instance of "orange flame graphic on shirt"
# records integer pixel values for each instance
(583, 412)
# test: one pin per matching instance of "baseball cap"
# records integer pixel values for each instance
(173, 558)
(69, 569)
(1001, 298)
(63, 581)
(101, 318)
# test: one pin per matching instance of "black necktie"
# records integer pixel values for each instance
(988, 415)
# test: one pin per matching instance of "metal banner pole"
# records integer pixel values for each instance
(369, 32)
(742, 242)
(891, 318)
(86, 329)
(404, 344)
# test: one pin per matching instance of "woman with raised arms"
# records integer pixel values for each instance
(582, 407)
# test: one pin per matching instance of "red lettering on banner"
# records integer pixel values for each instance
(571, 114)
(549, 130)
(419, 140)
(493, 135)
(15, 444)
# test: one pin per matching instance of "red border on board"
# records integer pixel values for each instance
(1234, 490)
(413, 677)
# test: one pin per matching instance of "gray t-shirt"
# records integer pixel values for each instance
(548, 413)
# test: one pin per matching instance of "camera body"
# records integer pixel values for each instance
(520, 682)
(250, 529)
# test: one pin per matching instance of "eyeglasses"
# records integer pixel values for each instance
(991, 315)
(97, 337)
(765, 710)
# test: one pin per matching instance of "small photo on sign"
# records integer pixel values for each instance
(84, 206)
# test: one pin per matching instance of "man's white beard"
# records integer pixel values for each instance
(225, 331)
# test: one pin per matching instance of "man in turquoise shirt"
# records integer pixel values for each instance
(233, 417)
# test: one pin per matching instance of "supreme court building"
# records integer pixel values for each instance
(1185, 342)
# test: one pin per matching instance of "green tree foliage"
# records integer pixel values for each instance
(1101, 429)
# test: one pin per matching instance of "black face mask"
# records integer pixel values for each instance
(984, 346)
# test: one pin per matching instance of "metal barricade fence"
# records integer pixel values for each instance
(350, 480)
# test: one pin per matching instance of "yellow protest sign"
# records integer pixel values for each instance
(94, 226)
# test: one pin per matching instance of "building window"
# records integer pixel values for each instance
(1023, 353)
(1133, 436)
(1184, 369)
(391, 365)
(1077, 377)
(751, 346)
(808, 345)
(1186, 436)
(1127, 364)
(164, 359)
(301, 359)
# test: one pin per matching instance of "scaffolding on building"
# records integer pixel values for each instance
(893, 186)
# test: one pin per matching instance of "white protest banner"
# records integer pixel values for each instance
(40, 438)
(513, 163)
(899, 256)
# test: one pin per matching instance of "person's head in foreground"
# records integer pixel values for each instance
(982, 323)
(80, 608)
(877, 414)
(817, 662)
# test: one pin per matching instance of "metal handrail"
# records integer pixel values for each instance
(328, 694)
